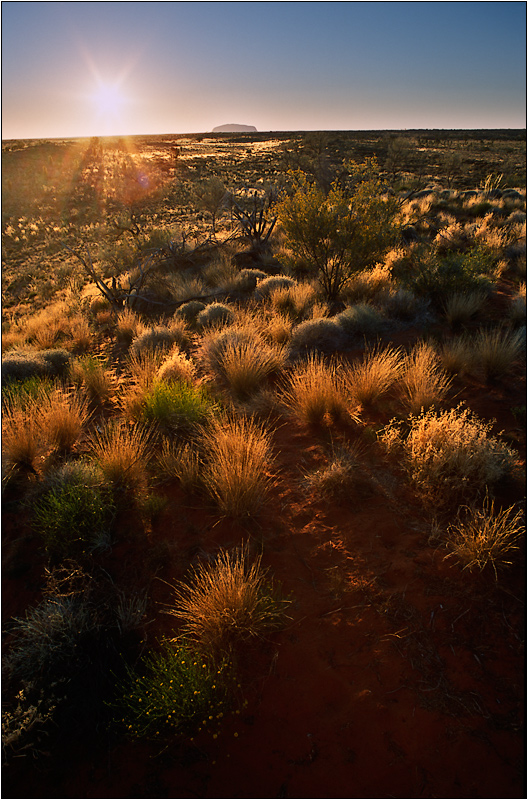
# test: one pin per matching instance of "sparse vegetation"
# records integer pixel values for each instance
(187, 370)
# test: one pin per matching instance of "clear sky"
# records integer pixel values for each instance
(95, 68)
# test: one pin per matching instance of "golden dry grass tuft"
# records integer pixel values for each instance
(227, 602)
(237, 455)
(367, 381)
(482, 537)
(315, 391)
(64, 416)
(123, 454)
(423, 383)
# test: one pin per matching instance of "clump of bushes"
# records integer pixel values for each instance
(450, 455)
(19, 364)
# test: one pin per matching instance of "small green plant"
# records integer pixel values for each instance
(174, 692)
(176, 404)
(481, 536)
(74, 518)
(227, 602)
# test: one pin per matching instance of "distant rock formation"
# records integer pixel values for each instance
(234, 128)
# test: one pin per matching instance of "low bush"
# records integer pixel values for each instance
(361, 319)
(338, 479)
(97, 382)
(242, 359)
(495, 351)
(435, 277)
(19, 364)
(314, 391)
(153, 339)
(189, 311)
(64, 416)
(73, 519)
(177, 366)
(215, 315)
(181, 461)
(460, 307)
(247, 279)
(227, 602)
(482, 537)
(272, 283)
(123, 454)
(174, 692)
(450, 455)
(321, 334)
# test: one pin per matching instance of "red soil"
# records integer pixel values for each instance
(398, 674)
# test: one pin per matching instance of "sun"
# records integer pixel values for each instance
(109, 102)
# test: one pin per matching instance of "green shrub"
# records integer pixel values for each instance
(342, 232)
(437, 277)
(361, 319)
(74, 518)
(175, 692)
(176, 404)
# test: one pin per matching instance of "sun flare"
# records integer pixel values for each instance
(108, 104)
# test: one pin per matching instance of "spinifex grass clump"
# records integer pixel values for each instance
(74, 518)
(227, 602)
(63, 418)
(496, 351)
(242, 359)
(450, 456)
(424, 382)
(370, 379)
(237, 454)
(315, 392)
(480, 536)
(123, 454)
(177, 404)
(175, 692)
